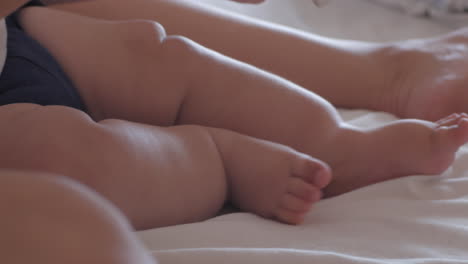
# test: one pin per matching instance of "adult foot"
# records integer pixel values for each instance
(270, 179)
(402, 148)
(430, 77)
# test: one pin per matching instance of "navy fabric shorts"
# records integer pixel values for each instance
(31, 74)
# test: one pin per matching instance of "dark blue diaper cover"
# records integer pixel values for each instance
(31, 74)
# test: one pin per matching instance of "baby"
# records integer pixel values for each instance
(206, 121)
(168, 130)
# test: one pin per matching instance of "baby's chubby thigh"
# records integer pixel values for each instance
(128, 163)
(64, 141)
(123, 69)
(45, 138)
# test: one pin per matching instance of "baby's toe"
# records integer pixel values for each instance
(455, 134)
(448, 121)
(295, 204)
(304, 190)
(313, 171)
(290, 217)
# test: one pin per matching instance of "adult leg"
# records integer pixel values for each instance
(175, 81)
(51, 219)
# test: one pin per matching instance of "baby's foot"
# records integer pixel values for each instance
(269, 179)
(402, 148)
(450, 134)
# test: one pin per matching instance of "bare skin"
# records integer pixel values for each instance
(406, 78)
(181, 82)
(174, 91)
(437, 144)
(51, 219)
(431, 72)
(106, 153)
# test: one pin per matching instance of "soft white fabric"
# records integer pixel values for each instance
(451, 12)
(348, 19)
(429, 7)
(418, 219)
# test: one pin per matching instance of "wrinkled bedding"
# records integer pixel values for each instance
(418, 219)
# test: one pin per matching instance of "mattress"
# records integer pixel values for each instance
(417, 219)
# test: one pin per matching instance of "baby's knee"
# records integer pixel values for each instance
(45, 127)
(149, 39)
(25, 114)
(50, 219)
(140, 34)
(46, 138)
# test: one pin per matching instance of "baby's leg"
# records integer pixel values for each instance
(47, 219)
(176, 81)
(173, 80)
(269, 179)
(156, 176)
(162, 176)
(306, 59)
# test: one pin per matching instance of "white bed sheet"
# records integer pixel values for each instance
(418, 219)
